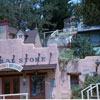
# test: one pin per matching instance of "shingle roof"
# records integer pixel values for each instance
(31, 36)
(12, 30)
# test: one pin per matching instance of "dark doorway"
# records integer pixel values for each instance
(74, 80)
(37, 87)
(11, 85)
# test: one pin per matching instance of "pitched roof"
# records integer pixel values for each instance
(31, 36)
(12, 30)
(92, 28)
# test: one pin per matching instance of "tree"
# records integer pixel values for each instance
(82, 48)
(54, 12)
(88, 11)
(62, 11)
(19, 13)
(91, 12)
(77, 11)
(46, 14)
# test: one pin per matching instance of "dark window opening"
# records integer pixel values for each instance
(7, 86)
(16, 85)
(37, 87)
(74, 79)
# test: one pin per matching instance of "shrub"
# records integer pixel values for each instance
(82, 47)
(76, 91)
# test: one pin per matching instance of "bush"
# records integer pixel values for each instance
(76, 91)
(82, 48)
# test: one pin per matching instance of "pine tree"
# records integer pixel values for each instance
(46, 14)
(89, 11)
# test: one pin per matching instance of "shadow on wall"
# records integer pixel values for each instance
(73, 66)
(50, 84)
(64, 76)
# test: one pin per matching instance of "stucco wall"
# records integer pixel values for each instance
(62, 84)
(84, 66)
(0, 86)
(25, 88)
(38, 41)
(48, 88)
(62, 88)
(19, 49)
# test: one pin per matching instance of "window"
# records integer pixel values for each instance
(20, 36)
(52, 83)
(37, 86)
(74, 79)
(16, 85)
(7, 86)
(11, 85)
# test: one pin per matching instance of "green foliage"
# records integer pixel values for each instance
(88, 11)
(66, 53)
(46, 14)
(82, 48)
(77, 11)
(91, 80)
(17, 12)
(91, 12)
(76, 91)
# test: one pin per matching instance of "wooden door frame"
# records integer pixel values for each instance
(11, 81)
(76, 75)
(43, 76)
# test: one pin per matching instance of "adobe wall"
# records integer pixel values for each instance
(38, 41)
(62, 88)
(84, 66)
(25, 88)
(19, 49)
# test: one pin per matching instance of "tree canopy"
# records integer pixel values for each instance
(46, 14)
(88, 11)
(91, 12)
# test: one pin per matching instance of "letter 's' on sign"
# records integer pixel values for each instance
(11, 66)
